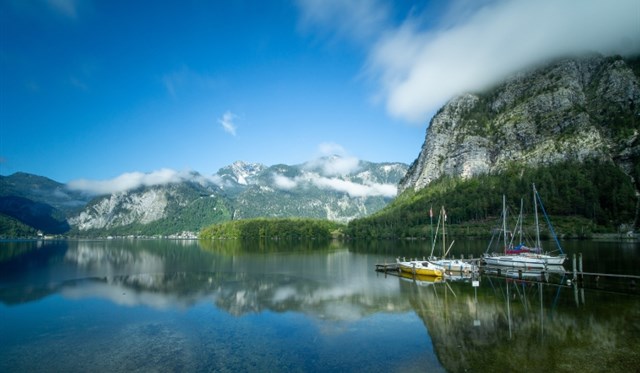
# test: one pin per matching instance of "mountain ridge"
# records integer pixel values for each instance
(186, 203)
(575, 108)
(571, 127)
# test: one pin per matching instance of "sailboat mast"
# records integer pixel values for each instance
(444, 236)
(504, 221)
(535, 204)
(520, 219)
(431, 225)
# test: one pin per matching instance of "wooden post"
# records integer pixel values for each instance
(580, 266)
(574, 267)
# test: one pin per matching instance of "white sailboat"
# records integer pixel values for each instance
(532, 259)
(419, 267)
(434, 266)
(448, 265)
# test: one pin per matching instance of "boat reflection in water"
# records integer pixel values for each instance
(527, 322)
(187, 306)
(420, 280)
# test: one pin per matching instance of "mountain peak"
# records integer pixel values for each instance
(570, 109)
(241, 172)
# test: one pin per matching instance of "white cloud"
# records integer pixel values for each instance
(355, 19)
(476, 44)
(333, 160)
(283, 182)
(355, 189)
(227, 122)
(351, 188)
(420, 70)
(324, 172)
(325, 181)
(132, 180)
(340, 165)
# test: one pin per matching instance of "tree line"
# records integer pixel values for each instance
(260, 228)
(596, 194)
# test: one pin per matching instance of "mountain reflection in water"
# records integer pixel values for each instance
(392, 323)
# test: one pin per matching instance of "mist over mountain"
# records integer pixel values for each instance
(571, 127)
(571, 109)
(168, 202)
(574, 111)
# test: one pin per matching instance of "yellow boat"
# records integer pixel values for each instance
(420, 267)
(420, 279)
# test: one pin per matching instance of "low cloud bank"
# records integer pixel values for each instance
(351, 188)
(432, 54)
(334, 165)
(132, 180)
(329, 171)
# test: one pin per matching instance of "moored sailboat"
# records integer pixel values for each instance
(420, 267)
(434, 266)
(531, 258)
(449, 265)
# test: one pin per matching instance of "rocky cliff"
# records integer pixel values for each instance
(333, 188)
(167, 209)
(572, 109)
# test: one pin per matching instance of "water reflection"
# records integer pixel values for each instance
(517, 325)
(504, 324)
(330, 283)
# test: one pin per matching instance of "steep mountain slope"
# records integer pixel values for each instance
(573, 109)
(41, 216)
(318, 189)
(162, 209)
(43, 190)
(571, 127)
(330, 188)
(38, 202)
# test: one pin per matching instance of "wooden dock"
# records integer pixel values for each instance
(387, 267)
(393, 267)
(575, 275)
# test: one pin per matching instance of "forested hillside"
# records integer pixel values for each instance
(272, 229)
(596, 195)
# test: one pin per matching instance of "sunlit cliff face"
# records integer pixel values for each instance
(533, 118)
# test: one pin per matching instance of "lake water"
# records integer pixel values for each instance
(162, 305)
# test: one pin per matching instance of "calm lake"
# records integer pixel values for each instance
(164, 305)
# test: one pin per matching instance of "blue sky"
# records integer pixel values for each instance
(94, 89)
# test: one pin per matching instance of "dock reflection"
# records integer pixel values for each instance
(530, 322)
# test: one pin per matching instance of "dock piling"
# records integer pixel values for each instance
(580, 266)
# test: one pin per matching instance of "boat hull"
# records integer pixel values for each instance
(420, 268)
(534, 261)
(454, 265)
(420, 279)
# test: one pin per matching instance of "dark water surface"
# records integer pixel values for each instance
(162, 305)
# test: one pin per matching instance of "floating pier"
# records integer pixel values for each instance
(387, 267)
(393, 266)
(576, 275)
